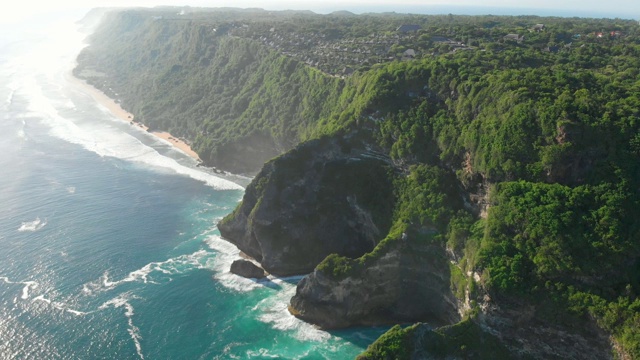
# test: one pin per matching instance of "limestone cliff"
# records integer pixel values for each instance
(409, 281)
(539, 331)
(326, 196)
(499, 334)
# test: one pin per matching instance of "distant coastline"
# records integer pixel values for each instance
(124, 115)
(465, 10)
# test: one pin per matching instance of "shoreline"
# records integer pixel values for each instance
(124, 115)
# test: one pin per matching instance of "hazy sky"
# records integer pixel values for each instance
(597, 8)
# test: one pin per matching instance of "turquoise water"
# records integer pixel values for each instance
(108, 244)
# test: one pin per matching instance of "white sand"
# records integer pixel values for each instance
(124, 115)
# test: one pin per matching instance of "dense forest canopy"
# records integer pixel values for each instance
(516, 138)
(204, 74)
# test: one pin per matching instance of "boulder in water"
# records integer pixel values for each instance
(246, 268)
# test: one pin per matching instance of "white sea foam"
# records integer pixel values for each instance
(116, 302)
(28, 285)
(59, 305)
(87, 289)
(21, 133)
(34, 225)
(9, 100)
(70, 105)
(111, 142)
(41, 298)
(25, 290)
(262, 353)
(274, 310)
(101, 136)
(32, 285)
(76, 312)
(134, 331)
(152, 273)
(36, 77)
(226, 253)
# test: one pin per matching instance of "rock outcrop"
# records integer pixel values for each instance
(464, 340)
(407, 280)
(246, 268)
(507, 335)
(331, 195)
(531, 331)
(411, 279)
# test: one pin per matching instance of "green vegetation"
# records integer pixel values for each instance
(464, 340)
(578, 246)
(550, 232)
(555, 135)
(543, 132)
(239, 103)
(426, 200)
(394, 344)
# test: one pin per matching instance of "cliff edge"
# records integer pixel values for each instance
(407, 280)
(326, 196)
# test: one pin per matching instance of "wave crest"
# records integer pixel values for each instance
(32, 226)
(161, 270)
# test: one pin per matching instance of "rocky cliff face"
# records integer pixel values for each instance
(410, 279)
(497, 334)
(326, 196)
(408, 282)
(528, 332)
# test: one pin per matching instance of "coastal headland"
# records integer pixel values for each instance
(476, 173)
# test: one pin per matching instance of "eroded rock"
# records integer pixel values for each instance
(246, 268)
(326, 196)
(408, 282)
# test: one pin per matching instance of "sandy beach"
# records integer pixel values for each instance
(124, 115)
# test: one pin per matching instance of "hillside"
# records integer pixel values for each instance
(238, 103)
(488, 185)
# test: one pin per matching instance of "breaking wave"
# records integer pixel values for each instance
(32, 226)
(227, 253)
(102, 137)
(154, 272)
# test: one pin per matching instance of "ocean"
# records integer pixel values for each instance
(108, 240)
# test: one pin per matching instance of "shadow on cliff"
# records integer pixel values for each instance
(329, 195)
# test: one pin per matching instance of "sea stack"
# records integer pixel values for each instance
(246, 268)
